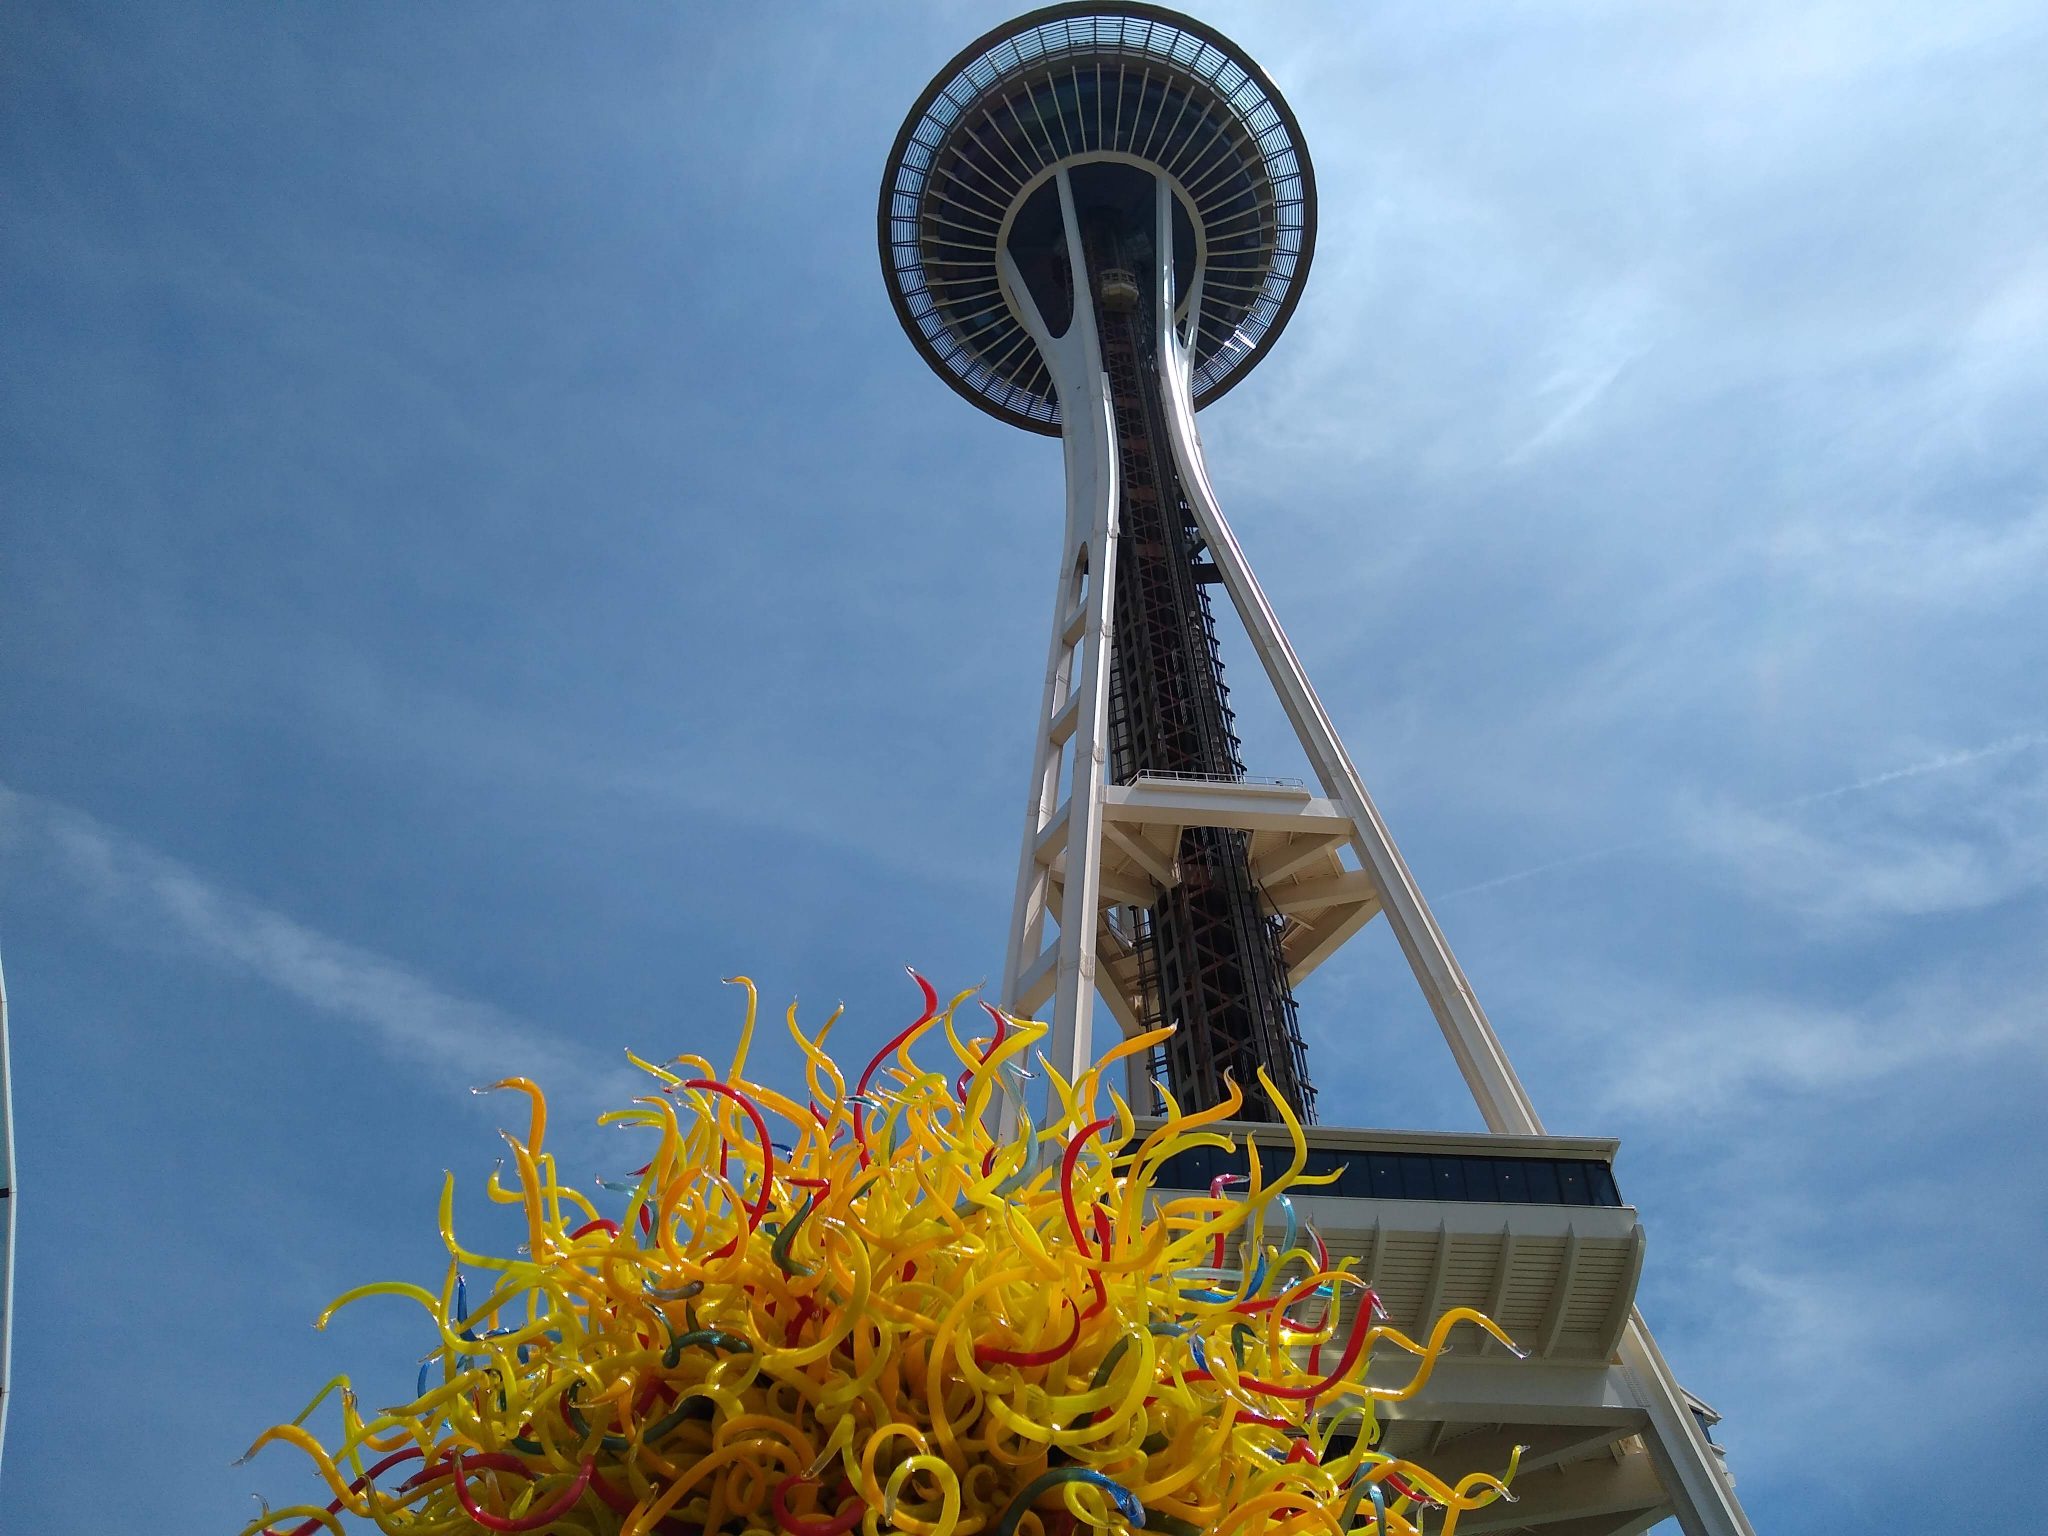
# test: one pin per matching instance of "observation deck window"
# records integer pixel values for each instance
(1375, 1174)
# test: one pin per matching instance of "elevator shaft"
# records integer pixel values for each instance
(1209, 948)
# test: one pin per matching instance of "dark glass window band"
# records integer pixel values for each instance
(1376, 1175)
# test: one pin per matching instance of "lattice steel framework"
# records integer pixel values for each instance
(1209, 948)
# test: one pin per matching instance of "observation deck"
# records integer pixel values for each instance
(1130, 85)
(1530, 1230)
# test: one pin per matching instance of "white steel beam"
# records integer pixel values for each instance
(1326, 941)
(1295, 852)
(1560, 1295)
(1352, 888)
(1613, 1489)
(1627, 1523)
(1141, 853)
(1035, 984)
(1543, 1445)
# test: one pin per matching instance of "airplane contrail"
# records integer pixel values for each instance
(1940, 763)
(1937, 764)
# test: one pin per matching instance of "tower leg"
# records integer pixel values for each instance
(1687, 1465)
(1058, 872)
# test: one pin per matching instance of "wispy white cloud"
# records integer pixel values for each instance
(1596, 345)
(1744, 1054)
(1835, 1236)
(152, 899)
(1774, 51)
(1816, 1166)
(1932, 561)
(1903, 855)
(1831, 1352)
(1768, 828)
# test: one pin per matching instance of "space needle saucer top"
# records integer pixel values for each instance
(1092, 86)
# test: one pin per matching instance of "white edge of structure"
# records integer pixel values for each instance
(9, 1200)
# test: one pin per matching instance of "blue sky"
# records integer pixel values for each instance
(481, 564)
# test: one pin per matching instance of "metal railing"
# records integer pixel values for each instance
(1154, 776)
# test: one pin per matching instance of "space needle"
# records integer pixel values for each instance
(1093, 224)
(1096, 220)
